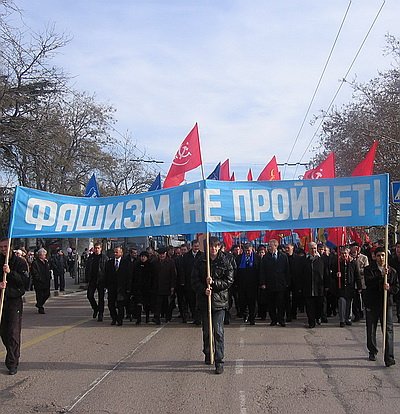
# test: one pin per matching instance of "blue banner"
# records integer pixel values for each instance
(209, 205)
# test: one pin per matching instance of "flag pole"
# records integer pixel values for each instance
(3, 291)
(210, 326)
(384, 313)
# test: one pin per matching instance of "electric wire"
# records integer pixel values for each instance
(343, 80)
(318, 84)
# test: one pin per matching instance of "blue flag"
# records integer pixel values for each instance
(92, 190)
(156, 184)
(215, 174)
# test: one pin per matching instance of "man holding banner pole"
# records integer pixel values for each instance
(12, 289)
(211, 288)
(381, 284)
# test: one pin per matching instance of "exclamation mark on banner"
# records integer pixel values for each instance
(377, 197)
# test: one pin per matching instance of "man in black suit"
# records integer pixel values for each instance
(118, 282)
(275, 278)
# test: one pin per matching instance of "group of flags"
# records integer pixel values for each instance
(188, 157)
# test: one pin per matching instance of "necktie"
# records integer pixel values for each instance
(116, 264)
(275, 256)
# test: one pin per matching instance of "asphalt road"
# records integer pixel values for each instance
(70, 363)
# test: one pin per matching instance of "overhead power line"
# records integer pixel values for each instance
(318, 84)
(343, 80)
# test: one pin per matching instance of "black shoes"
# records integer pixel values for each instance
(252, 322)
(283, 324)
(100, 317)
(273, 323)
(113, 322)
(372, 357)
(12, 371)
(342, 324)
(41, 311)
(219, 368)
(390, 362)
(349, 323)
(207, 360)
(95, 314)
(119, 323)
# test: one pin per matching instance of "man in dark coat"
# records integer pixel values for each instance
(163, 287)
(41, 277)
(275, 278)
(58, 264)
(216, 285)
(95, 274)
(248, 282)
(347, 280)
(394, 261)
(374, 280)
(11, 320)
(187, 264)
(143, 274)
(118, 273)
(315, 280)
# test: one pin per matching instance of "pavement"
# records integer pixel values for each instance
(71, 285)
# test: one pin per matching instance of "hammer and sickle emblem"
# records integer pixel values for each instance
(182, 156)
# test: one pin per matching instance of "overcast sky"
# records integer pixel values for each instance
(244, 70)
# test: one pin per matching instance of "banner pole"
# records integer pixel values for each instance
(3, 291)
(384, 313)
(210, 326)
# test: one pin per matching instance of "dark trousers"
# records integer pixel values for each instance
(96, 306)
(59, 281)
(313, 308)
(191, 303)
(218, 332)
(248, 301)
(10, 330)
(41, 296)
(372, 317)
(262, 302)
(357, 308)
(116, 307)
(344, 308)
(297, 301)
(182, 306)
(160, 305)
(276, 306)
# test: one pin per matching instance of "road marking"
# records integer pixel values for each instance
(242, 400)
(239, 366)
(48, 335)
(105, 374)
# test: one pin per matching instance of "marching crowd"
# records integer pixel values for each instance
(275, 280)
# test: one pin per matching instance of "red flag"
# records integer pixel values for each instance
(270, 172)
(276, 234)
(324, 170)
(188, 157)
(337, 236)
(253, 235)
(224, 174)
(249, 175)
(366, 166)
(232, 177)
(228, 241)
(355, 236)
